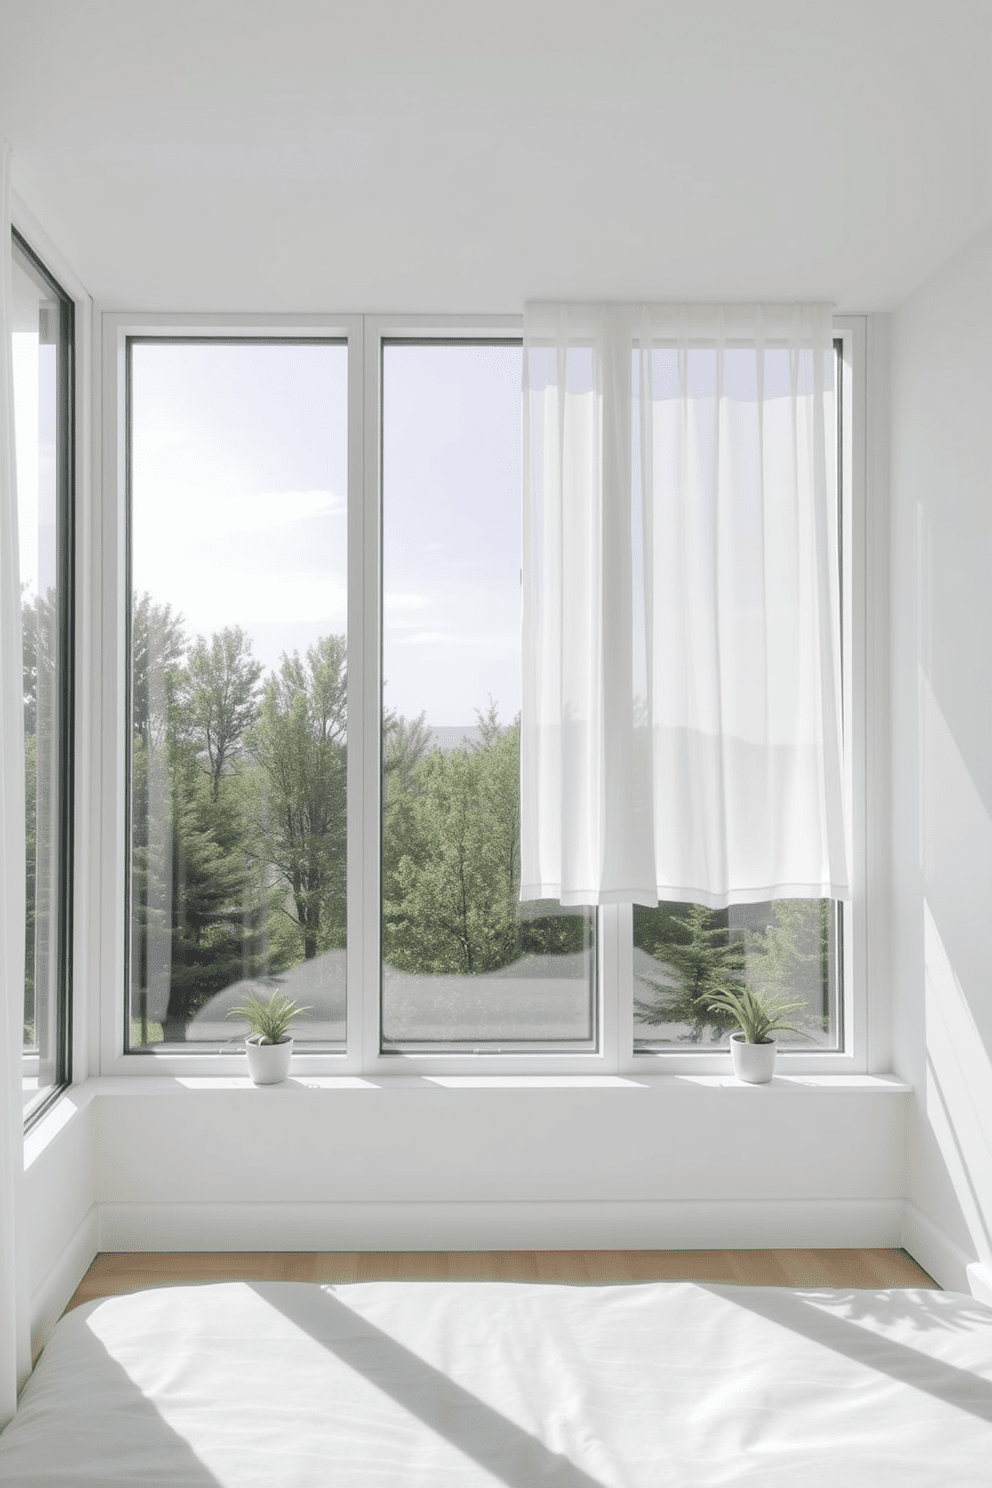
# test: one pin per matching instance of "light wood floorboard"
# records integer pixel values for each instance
(115, 1273)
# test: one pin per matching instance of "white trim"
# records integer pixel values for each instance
(363, 1008)
(791, 1224)
(25, 222)
(51, 1298)
(949, 1265)
(177, 1087)
(852, 330)
(878, 703)
(84, 954)
(108, 702)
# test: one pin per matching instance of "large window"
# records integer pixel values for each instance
(43, 434)
(323, 677)
(238, 685)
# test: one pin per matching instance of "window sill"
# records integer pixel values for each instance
(165, 1085)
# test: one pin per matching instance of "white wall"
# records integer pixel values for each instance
(419, 1164)
(669, 1163)
(941, 724)
(422, 1164)
(57, 1224)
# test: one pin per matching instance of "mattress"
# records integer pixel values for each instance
(410, 1383)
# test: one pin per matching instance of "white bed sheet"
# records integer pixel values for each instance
(446, 1384)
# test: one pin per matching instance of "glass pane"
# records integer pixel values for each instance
(238, 482)
(464, 963)
(41, 331)
(686, 955)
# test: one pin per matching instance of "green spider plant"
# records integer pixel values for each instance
(270, 1021)
(758, 1013)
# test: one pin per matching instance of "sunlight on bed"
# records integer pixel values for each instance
(434, 1383)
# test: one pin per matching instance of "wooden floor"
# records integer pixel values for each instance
(113, 1273)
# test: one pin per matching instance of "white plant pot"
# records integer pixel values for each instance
(753, 1063)
(268, 1064)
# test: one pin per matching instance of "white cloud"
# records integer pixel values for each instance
(393, 602)
(164, 507)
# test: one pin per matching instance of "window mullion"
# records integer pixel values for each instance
(365, 651)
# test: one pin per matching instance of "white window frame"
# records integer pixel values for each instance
(82, 958)
(615, 1055)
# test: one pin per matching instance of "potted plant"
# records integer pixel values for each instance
(760, 1015)
(269, 1045)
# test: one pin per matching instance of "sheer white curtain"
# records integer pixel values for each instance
(13, 1309)
(681, 716)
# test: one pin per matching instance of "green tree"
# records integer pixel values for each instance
(451, 858)
(31, 855)
(218, 698)
(405, 742)
(158, 643)
(795, 955)
(39, 650)
(196, 903)
(42, 705)
(298, 798)
(193, 926)
(704, 960)
(214, 934)
(157, 647)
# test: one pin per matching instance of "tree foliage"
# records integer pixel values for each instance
(705, 962)
(218, 698)
(298, 800)
(795, 955)
(239, 821)
(39, 650)
(707, 965)
(42, 701)
(158, 643)
(451, 857)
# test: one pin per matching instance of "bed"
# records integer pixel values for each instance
(464, 1384)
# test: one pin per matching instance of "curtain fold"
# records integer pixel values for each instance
(681, 717)
(14, 1348)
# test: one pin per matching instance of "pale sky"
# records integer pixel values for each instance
(34, 436)
(239, 507)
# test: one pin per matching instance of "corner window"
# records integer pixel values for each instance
(43, 436)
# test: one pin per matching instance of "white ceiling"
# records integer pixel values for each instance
(458, 155)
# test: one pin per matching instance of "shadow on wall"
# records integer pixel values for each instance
(958, 1090)
(956, 859)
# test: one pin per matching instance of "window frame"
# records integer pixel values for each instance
(615, 1055)
(65, 565)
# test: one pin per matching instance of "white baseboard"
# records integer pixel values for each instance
(791, 1224)
(49, 1301)
(949, 1265)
